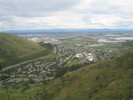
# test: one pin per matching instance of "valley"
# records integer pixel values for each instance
(66, 50)
(68, 53)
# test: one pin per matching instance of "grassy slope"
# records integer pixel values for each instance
(18, 93)
(13, 47)
(110, 79)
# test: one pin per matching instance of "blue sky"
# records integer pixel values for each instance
(66, 14)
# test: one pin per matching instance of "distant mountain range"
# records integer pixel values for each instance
(68, 30)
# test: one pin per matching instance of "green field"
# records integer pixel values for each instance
(77, 41)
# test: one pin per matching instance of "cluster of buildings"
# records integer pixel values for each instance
(103, 54)
(41, 71)
(88, 56)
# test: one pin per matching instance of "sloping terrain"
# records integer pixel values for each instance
(110, 79)
(13, 47)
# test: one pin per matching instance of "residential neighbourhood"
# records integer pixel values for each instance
(75, 50)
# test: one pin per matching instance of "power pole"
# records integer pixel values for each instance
(8, 97)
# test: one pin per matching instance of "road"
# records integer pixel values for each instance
(12, 66)
(94, 56)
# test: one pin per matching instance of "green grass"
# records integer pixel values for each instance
(50, 58)
(16, 49)
(18, 93)
(109, 79)
(77, 41)
(74, 63)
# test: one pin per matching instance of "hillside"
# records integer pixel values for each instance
(109, 79)
(15, 49)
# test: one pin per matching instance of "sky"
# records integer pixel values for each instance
(66, 14)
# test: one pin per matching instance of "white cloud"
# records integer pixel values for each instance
(51, 14)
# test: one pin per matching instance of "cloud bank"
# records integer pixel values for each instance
(66, 14)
